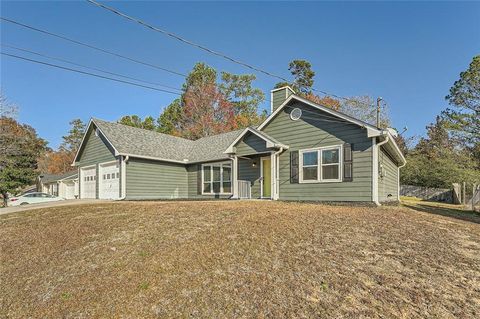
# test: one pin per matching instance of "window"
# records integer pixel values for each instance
(217, 178)
(320, 165)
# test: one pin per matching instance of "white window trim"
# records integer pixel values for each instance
(221, 178)
(320, 165)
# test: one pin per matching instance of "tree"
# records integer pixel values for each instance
(303, 75)
(71, 141)
(169, 119)
(19, 149)
(244, 98)
(135, 121)
(7, 109)
(325, 101)
(363, 108)
(465, 97)
(437, 161)
(59, 161)
(206, 112)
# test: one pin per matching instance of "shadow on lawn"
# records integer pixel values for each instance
(448, 212)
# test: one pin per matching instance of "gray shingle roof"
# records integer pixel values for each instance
(48, 178)
(135, 141)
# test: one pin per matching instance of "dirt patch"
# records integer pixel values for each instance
(237, 259)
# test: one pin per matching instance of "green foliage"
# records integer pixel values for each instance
(72, 140)
(437, 161)
(245, 99)
(303, 75)
(169, 119)
(464, 95)
(200, 76)
(135, 121)
(20, 147)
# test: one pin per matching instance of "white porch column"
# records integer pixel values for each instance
(273, 168)
(235, 176)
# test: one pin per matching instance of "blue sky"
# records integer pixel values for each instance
(409, 53)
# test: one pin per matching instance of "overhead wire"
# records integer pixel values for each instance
(204, 48)
(86, 67)
(87, 73)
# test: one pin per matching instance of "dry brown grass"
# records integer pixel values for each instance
(237, 259)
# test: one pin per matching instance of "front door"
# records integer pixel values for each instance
(267, 178)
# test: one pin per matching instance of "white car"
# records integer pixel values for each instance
(33, 198)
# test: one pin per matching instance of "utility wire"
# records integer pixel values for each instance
(86, 67)
(211, 51)
(88, 73)
(91, 46)
(179, 38)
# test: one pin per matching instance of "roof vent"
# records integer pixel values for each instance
(295, 114)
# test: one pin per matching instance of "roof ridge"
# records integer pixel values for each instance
(143, 130)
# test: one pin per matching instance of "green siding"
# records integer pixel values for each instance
(251, 144)
(192, 175)
(96, 150)
(247, 172)
(315, 129)
(278, 97)
(388, 184)
(148, 179)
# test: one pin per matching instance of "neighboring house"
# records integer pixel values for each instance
(302, 151)
(62, 185)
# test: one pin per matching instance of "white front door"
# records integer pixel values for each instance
(88, 183)
(109, 181)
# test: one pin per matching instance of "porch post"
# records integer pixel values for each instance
(235, 177)
(273, 167)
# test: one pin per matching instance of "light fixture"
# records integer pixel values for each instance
(254, 164)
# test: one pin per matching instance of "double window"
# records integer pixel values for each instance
(321, 165)
(217, 178)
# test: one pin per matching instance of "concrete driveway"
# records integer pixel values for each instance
(67, 202)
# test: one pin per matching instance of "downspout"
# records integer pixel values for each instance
(375, 173)
(277, 173)
(124, 177)
(398, 177)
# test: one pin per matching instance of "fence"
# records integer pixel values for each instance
(474, 202)
(428, 193)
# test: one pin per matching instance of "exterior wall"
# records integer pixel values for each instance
(313, 130)
(251, 144)
(147, 179)
(247, 172)
(96, 150)
(388, 184)
(193, 172)
(279, 96)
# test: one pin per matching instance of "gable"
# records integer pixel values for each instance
(251, 144)
(315, 128)
(94, 148)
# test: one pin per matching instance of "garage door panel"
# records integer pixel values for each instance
(109, 181)
(88, 182)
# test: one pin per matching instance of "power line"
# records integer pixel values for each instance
(204, 48)
(88, 73)
(86, 67)
(91, 46)
(179, 38)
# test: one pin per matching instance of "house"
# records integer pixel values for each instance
(62, 185)
(303, 151)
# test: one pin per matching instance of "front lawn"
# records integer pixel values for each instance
(237, 259)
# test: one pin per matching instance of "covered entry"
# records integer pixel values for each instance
(255, 157)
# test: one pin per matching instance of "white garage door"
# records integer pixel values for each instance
(88, 182)
(70, 191)
(109, 181)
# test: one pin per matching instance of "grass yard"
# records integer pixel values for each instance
(239, 259)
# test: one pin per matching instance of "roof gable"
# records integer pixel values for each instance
(270, 142)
